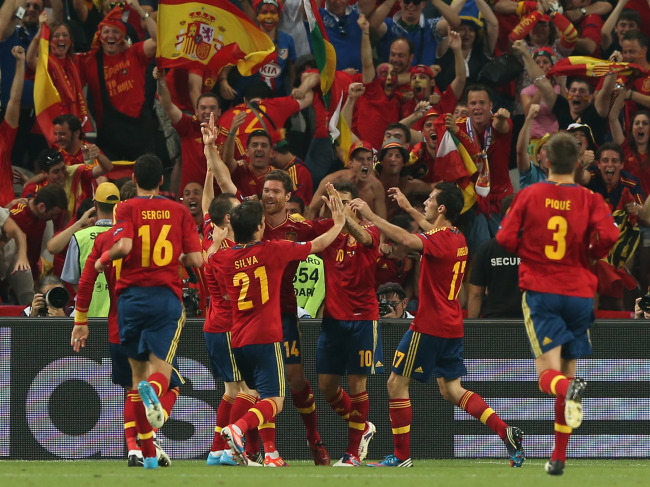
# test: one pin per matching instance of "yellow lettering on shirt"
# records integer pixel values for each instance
(557, 204)
(248, 261)
(461, 252)
(155, 214)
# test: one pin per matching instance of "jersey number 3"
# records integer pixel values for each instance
(558, 225)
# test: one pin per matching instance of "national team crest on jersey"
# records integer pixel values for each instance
(292, 236)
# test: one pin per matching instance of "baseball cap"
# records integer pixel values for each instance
(585, 129)
(358, 145)
(107, 193)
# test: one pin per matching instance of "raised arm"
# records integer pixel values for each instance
(402, 201)
(610, 23)
(491, 26)
(216, 166)
(150, 24)
(229, 145)
(458, 83)
(58, 242)
(355, 90)
(12, 114)
(392, 232)
(335, 205)
(523, 158)
(105, 165)
(8, 19)
(449, 17)
(368, 72)
(604, 95)
(379, 15)
(536, 74)
(164, 96)
(614, 123)
(34, 46)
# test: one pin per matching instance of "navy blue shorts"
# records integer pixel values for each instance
(554, 320)
(262, 367)
(419, 355)
(151, 320)
(122, 375)
(292, 339)
(222, 359)
(352, 347)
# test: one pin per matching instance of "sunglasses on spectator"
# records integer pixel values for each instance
(414, 2)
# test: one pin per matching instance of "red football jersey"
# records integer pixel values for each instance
(161, 230)
(103, 242)
(124, 74)
(247, 182)
(249, 274)
(7, 137)
(555, 229)
(444, 257)
(295, 229)
(350, 275)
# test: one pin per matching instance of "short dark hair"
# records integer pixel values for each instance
(283, 177)
(220, 207)
(52, 196)
(478, 87)
(258, 133)
(578, 79)
(636, 35)
(610, 146)
(208, 94)
(451, 196)
(408, 41)
(74, 124)
(402, 220)
(84, 206)
(631, 16)
(403, 128)
(390, 288)
(258, 89)
(562, 151)
(128, 190)
(48, 158)
(148, 171)
(297, 199)
(347, 187)
(244, 220)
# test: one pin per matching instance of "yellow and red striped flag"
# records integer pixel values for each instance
(47, 99)
(210, 33)
(593, 67)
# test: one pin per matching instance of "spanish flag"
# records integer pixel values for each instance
(47, 101)
(210, 33)
(593, 68)
(456, 166)
(323, 51)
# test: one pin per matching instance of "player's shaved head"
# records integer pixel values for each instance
(245, 220)
(563, 152)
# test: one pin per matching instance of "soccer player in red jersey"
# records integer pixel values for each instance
(152, 235)
(248, 272)
(279, 225)
(350, 339)
(433, 343)
(556, 227)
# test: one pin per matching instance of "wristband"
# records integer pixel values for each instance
(105, 260)
(233, 134)
(539, 78)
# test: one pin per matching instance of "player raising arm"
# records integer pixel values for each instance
(434, 342)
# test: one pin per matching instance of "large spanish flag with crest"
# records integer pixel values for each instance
(210, 33)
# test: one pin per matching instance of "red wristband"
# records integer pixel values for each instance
(105, 260)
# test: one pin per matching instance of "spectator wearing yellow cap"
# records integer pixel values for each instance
(106, 197)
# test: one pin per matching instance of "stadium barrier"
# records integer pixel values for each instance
(56, 404)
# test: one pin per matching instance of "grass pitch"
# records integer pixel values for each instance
(194, 473)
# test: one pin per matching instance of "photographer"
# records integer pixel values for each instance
(48, 303)
(392, 301)
(642, 308)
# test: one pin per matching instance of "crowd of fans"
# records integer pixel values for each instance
(408, 73)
